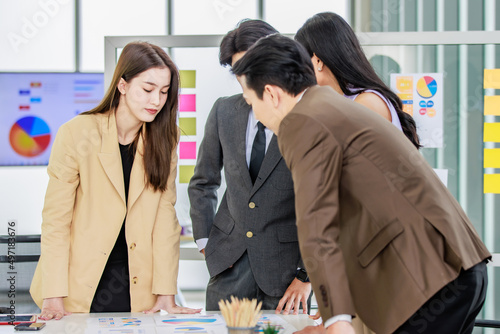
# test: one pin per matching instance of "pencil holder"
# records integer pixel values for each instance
(241, 330)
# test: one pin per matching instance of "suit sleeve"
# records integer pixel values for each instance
(206, 180)
(166, 238)
(57, 215)
(315, 160)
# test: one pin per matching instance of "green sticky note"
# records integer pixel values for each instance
(185, 173)
(188, 126)
(188, 78)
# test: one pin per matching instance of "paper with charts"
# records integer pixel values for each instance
(120, 322)
(150, 330)
(190, 323)
(189, 320)
(212, 324)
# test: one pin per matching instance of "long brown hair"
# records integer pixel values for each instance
(160, 135)
(331, 39)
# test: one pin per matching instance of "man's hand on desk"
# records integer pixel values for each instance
(297, 292)
(203, 251)
(53, 308)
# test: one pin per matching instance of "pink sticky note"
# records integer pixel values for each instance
(187, 102)
(187, 150)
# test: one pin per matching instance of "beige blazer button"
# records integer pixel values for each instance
(135, 280)
(249, 234)
(251, 205)
(132, 246)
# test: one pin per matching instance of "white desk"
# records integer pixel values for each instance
(77, 323)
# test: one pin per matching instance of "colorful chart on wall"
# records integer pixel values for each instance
(33, 107)
(29, 136)
(422, 97)
(426, 86)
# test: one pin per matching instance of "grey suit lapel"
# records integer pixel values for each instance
(273, 156)
(240, 128)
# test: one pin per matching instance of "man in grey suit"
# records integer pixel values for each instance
(250, 244)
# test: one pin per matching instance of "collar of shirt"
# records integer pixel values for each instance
(251, 132)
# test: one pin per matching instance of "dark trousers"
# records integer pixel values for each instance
(238, 281)
(452, 309)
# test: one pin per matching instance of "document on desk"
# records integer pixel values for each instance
(197, 320)
(213, 329)
(120, 322)
(150, 330)
(274, 320)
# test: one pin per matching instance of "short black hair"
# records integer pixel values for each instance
(246, 33)
(276, 60)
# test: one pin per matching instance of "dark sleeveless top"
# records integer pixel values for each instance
(113, 291)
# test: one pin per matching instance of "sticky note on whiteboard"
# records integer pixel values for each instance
(491, 132)
(187, 150)
(492, 183)
(185, 173)
(492, 78)
(492, 105)
(188, 78)
(187, 102)
(188, 126)
(492, 158)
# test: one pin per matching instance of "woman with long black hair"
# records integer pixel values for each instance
(340, 63)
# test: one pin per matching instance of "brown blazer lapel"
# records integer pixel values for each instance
(110, 153)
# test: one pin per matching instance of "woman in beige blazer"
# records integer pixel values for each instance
(109, 232)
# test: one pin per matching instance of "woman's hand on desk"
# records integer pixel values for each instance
(167, 303)
(53, 308)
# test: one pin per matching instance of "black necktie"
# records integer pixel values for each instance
(258, 151)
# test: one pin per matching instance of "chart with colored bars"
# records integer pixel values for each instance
(491, 132)
(119, 322)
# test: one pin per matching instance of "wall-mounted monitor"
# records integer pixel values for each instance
(34, 105)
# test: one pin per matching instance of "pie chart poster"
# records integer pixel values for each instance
(422, 96)
(34, 105)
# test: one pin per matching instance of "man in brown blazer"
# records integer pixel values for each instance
(380, 235)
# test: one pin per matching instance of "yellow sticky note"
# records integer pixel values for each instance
(492, 132)
(492, 78)
(492, 158)
(492, 105)
(188, 126)
(492, 183)
(188, 78)
(185, 173)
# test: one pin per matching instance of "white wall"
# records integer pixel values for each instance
(21, 198)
